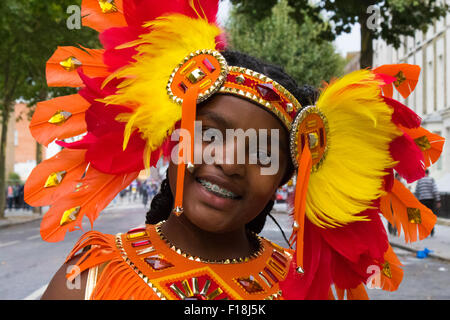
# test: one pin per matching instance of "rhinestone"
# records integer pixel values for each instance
(140, 243)
(313, 139)
(400, 78)
(209, 65)
(387, 270)
(158, 263)
(136, 235)
(69, 216)
(107, 6)
(144, 251)
(214, 294)
(188, 67)
(182, 86)
(71, 64)
(240, 79)
(196, 75)
(300, 270)
(250, 285)
(266, 90)
(60, 117)
(289, 107)
(54, 179)
(178, 211)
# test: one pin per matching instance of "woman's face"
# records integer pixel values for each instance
(224, 196)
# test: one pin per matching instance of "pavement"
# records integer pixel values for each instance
(437, 245)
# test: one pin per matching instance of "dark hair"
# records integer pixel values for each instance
(162, 203)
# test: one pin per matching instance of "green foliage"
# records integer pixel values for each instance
(278, 39)
(14, 178)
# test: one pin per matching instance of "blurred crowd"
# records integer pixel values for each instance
(15, 197)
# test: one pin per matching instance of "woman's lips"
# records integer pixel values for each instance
(216, 195)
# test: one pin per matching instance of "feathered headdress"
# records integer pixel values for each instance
(162, 58)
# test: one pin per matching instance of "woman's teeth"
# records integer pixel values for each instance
(214, 188)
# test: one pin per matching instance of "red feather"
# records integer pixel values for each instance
(410, 159)
(403, 115)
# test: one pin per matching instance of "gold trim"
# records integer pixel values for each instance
(255, 255)
(293, 141)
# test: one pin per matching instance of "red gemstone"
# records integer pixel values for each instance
(209, 65)
(158, 263)
(136, 230)
(279, 258)
(267, 92)
(182, 86)
(250, 285)
(140, 243)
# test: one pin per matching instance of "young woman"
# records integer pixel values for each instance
(165, 67)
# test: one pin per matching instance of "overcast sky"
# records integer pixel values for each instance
(345, 43)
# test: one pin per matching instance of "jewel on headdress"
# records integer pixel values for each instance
(400, 78)
(423, 143)
(71, 64)
(209, 65)
(69, 216)
(289, 107)
(54, 179)
(107, 6)
(60, 117)
(183, 86)
(267, 92)
(240, 79)
(196, 75)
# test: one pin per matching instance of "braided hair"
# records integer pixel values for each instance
(162, 203)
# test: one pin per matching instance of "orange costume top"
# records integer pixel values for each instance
(142, 265)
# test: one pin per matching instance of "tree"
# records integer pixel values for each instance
(386, 19)
(279, 40)
(30, 31)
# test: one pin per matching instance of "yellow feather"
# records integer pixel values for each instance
(169, 40)
(360, 131)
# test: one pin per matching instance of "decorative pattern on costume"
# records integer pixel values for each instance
(189, 289)
(54, 179)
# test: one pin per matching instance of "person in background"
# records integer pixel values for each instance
(428, 194)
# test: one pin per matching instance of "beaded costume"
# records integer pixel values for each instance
(161, 58)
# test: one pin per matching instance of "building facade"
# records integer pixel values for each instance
(431, 98)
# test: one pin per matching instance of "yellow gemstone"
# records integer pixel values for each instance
(188, 67)
(400, 78)
(71, 64)
(54, 179)
(60, 117)
(205, 83)
(387, 270)
(423, 143)
(136, 235)
(414, 215)
(69, 216)
(107, 6)
(187, 288)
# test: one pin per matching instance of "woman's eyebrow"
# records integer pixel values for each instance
(217, 118)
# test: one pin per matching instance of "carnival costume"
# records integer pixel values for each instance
(160, 59)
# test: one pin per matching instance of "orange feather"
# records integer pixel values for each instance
(404, 211)
(392, 273)
(63, 65)
(431, 144)
(95, 18)
(92, 194)
(407, 77)
(70, 161)
(45, 132)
